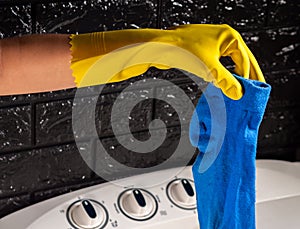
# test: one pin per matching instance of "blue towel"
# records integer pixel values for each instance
(225, 132)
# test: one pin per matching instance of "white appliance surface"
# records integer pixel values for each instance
(170, 204)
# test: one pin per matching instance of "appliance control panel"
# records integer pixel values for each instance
(163, 199)
(168, 204)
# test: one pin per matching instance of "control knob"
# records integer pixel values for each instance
(181, 193)
(137, 204)
(87, 214)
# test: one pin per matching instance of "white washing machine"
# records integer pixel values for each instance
(171, 204)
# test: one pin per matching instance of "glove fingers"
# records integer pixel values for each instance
(236, 50)
(242, 62)
(223, 79)
(255, 71)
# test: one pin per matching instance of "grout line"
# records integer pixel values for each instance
(57, 144)
(31, 198)
(267, 12)
(28, 148)
(25, 2)
(33, 122)
(143, 130)
(12, 195)
(280, 108)
(93, 175)
(213, 5)
(71, 186)
(68, 97)
(282, 153)
(33, 17)
(36, 101)
(263, 29)
(153, 108)
(159, 14)
(9, 106)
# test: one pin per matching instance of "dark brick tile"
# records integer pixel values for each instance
(176, 76)
(285, 154)
(145, 81)
(53, 95)
(166, 112)
(120, 159)
(20, 172)
(15, 128)
(11, 204)
(44, 168)
(83, 114)
(14, 100)
(173, 75)
(284, 91)
(186, 12)
(297, 153)
(64, 165)
(275, 48)
(283, 13)
(15, 20)
(54, 119)
(54, 122)
(280, 128)
(139, 117)
(50, 193)
(241, 13)
(95, 15)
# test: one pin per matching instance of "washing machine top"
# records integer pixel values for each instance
(169, 204)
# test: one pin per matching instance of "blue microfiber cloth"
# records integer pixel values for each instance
(225, 132)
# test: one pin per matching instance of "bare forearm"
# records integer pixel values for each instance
(41, 62)
(35, 63)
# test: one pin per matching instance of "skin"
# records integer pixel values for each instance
(41, 62)
(35, 63)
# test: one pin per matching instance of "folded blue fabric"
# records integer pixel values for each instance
(225, 132)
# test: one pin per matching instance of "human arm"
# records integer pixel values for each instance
(35, 63)
(42, 62)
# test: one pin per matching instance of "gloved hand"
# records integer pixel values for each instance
(207, 43)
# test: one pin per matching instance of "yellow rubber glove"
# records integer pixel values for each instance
(113, 56)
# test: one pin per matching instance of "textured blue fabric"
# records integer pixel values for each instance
(225, 189)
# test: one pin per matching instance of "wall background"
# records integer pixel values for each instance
(38, 156)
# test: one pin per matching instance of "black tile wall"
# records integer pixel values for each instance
(185, 12)
(54, 122)
(286, 154)
(284, 88)
(275, 49)
(38, 155)
(133, 159)
(280, 128)
(14, 203)
(283, 13)
(15, 20)
(89, 16)
(49, 193)
(15, 129)
(242, 13)
(16, 100)
(139, 117)
(43, 168)
(167, 113)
